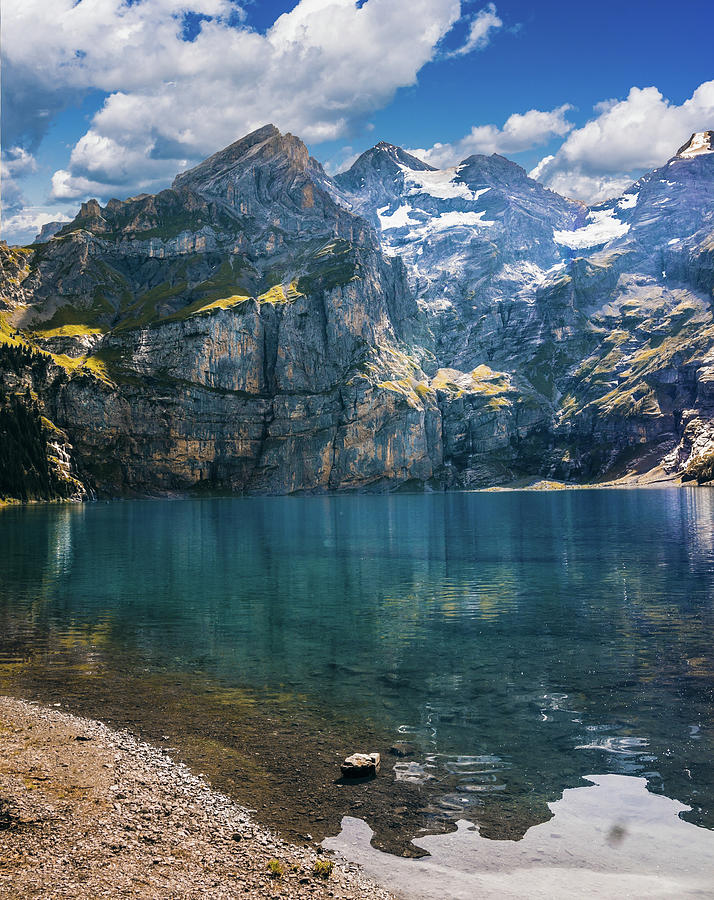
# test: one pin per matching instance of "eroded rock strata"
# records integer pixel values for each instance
(262, 327)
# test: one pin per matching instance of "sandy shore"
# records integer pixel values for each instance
(88, 812)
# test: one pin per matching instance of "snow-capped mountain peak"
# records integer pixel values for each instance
(700, 143)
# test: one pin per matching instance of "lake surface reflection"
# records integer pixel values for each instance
(515, 641)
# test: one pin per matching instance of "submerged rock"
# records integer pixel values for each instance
(361, 765)
(402, 749)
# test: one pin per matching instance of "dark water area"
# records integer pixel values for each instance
(516, 642)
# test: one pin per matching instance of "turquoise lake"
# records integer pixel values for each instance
(515, 641)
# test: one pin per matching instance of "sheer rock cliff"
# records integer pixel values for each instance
(262, 327)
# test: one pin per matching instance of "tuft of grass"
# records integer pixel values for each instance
(323, 868)
(275, 868)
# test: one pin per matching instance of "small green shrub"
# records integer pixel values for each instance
(323, 868)
(275, 867)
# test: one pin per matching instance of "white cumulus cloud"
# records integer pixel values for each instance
(521, 131)
(21, 222)
(319, 71)
(15, 163)
(480, 28)
(623, 140)
(25, 224)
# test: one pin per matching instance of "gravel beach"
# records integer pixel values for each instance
(88, 812)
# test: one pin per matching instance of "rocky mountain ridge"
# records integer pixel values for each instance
(262, 327)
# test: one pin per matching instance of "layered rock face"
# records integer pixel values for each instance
(238, 332)
(262, 327)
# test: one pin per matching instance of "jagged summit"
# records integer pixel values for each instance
(396, 154)
(260, 147)
(700, 143)
(493, 166)
(377, 177)
(270, 177)
(252, 193)
(379, 162)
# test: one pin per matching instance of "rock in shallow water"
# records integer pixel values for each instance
(361, 765)
(402, 749)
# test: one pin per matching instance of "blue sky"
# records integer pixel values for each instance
(552, 53)
(108, 98)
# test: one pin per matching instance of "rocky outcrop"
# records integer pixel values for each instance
(48, 230)
(261, 327)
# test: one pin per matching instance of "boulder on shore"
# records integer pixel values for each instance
(361, 765)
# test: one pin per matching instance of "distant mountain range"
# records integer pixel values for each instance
(264, 327)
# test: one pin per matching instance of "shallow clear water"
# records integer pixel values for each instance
(518, 641)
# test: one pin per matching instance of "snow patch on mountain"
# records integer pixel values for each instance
(457, 219)
(604, 227)
(436, 224)
(440, 184)
(628, 201)
(398, 219)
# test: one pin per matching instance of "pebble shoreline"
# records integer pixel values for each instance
(88, 812)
